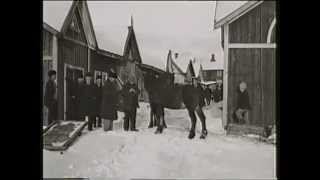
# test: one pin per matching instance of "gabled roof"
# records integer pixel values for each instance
(59, 14)
(50, 29)
(228, 11)
(50, 15)
(171, 66)
(131, 37)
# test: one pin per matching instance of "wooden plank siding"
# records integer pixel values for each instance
(253, 26)
(252, 60)
(73, 54)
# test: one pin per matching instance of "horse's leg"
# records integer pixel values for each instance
(151, 123)
(202, 117)
(164, 122)
(160, 118)
(193, 118)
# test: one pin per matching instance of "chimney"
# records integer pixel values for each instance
(176, 55)
(212, 58)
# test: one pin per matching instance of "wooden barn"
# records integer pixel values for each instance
(249, 45)
(49, 58)
(77, 49)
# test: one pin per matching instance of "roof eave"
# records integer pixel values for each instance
(237, 13)
(50, 28)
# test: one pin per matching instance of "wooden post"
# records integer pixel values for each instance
(225, 76)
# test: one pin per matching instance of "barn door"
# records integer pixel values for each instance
(245, 65)
(46, 66)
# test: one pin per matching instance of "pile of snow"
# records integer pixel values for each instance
(124, 155)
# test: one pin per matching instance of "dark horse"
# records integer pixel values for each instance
(163, 93)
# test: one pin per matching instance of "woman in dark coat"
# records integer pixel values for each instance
(110, 92)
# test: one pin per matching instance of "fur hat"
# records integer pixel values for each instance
(52, 72)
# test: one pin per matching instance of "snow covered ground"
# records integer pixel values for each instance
(123, 155)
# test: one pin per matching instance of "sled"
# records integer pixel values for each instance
(62, 134)
(46, 128)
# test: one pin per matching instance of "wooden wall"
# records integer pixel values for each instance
(253, 27)
(103, 63)
(73, 54)
(255, 66)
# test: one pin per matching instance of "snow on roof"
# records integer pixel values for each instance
(55, 12)
(228, 10)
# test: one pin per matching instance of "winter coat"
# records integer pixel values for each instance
(110, 92)
(50, 94)
(243, 100)
(87, 100)
(130, 98)
(98, 98)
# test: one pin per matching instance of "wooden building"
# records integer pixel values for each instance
(248, 39)
(78, 50)
(49, 58)
(210, 74)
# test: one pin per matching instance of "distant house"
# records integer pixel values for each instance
(206, 75)
(172, 67)
(248, 38)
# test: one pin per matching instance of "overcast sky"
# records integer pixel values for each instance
(185, 27)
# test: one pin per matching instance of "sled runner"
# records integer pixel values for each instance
(61, 135)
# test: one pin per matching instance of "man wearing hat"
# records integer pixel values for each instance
(50, 97)
(98, 100)
(110, 92)
(87, 101)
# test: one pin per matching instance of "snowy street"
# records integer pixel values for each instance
(143, 154)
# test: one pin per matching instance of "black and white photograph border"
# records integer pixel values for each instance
(159, 89)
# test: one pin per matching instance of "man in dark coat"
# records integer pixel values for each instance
(50, 97)
(130, 94)
(78, 94)
(98, 100)
(110, 92)
(243, 104)
(87, 101)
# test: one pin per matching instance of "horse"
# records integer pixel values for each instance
(163, 93)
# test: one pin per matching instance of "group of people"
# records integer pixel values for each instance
(98, 102)
(214, 94)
